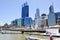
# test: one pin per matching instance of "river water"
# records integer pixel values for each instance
(12, 36)
(16, 37)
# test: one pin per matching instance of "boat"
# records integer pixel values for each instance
(10, 32)
(52, 31)
(32, 38)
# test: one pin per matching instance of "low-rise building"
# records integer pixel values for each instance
(28, 21)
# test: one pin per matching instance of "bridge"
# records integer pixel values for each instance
(26, 30)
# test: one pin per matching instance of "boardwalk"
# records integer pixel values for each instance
(26, 30)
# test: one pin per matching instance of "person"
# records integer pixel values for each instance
(51, 38)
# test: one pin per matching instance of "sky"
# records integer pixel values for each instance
(11, 9)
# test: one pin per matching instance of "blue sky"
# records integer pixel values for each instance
(11, 9)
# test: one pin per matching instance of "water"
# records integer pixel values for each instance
(12, 36)
(18, 37)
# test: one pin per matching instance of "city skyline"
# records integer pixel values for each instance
(11, 9)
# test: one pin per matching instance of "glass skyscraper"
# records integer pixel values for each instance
(37, 15)
(25, 12)
(37, 18)
(51, 16)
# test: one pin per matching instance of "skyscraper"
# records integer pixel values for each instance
(25, 12)
(37, 15)
(37, 18)
(51, 16)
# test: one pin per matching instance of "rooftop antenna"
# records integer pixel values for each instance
(52, 4)
(25, 3)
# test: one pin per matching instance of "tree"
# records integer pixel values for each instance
(5, 24)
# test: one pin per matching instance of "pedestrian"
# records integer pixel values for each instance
(51, 38)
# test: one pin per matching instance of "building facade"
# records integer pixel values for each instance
(28, 21)
(37, 18)
(51, 16)
(14, 23)
(44, 21)
(57, 14)
(25, 12)
(19, 22)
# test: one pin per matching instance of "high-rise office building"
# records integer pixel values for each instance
(25, 12)
(51, 16)
(37, 18)
(37, 15)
